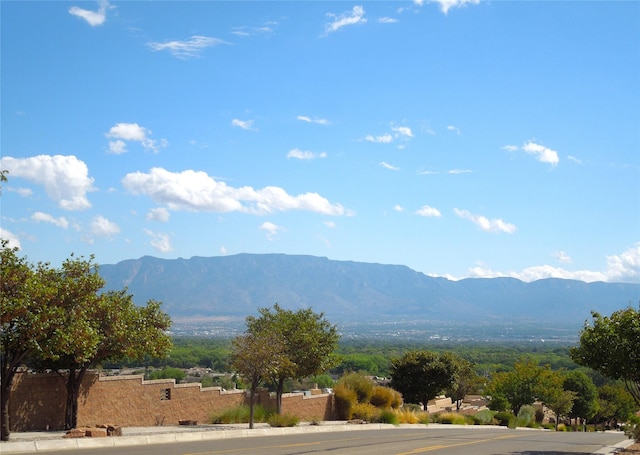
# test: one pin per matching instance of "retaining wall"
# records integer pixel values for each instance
(37, 402)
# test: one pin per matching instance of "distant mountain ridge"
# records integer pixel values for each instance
(236, 286)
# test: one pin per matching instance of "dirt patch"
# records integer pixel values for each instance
(633, 449)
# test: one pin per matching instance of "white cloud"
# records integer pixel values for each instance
(428, 211)
(131, 132)
(446, 5)
(102, 227)
(22, 192)
(305, 155)
(190, 48)
(398, 208)
(562, 257)
(455, 129)
(402, 131)
(329, 224)
(387, 20)
(386, 165)
(64, 178)
(93, 18)
(272, 229)
(574, 159)
(625, 266)
(196, 191)
(459, 171)
(117, 147)
(46, 218)
(484, 223)
(355, 16)
(384, 139)
(319, 121)
(540, 152)
(161, 242)
(244, 124)
(158, 214)
(223, 250)
(14, 241)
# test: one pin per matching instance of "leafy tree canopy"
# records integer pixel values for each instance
(611, 346)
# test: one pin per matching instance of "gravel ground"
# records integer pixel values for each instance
(632, 449)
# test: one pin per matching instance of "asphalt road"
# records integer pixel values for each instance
(396, 441)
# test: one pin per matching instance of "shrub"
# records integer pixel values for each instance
(562, 427)
(504, 419)
(388, 416)
(412, 407)
(539, 416)
(410, 415)
(450, 418)
(168, 373)
(484, 417)
(364, 411)
(240, 414)
(362, 385)
(526, 416)
(345, 398)
(385, 397)
(283, 420)
(632, 429)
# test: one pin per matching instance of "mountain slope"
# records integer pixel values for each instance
(236, 286)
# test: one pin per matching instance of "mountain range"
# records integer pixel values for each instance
(236, 286)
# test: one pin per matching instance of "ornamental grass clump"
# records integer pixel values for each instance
(283, 420)
(450, 418)
(239, 414)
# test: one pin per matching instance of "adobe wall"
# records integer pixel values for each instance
(37, 402)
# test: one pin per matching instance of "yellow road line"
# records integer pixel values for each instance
(447, 446)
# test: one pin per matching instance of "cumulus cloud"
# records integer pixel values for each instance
(398, 208)
(402, 131)
(46, 218)
(305, 155)
(244, 124)
(102, 227)
(384, 139)
(191, 48)
(446, 5)
(428, 211)
(196, 191)
(329, 224)
(161, 242)
(625, 267)
(353, 17)
(14, 241)
(271, 229)
(562, 257)
(158, 214)
(386, 165)
(93, 18)
(319, 121)
(540, 152)
(486, 224)
(65, 178)
(131, 132)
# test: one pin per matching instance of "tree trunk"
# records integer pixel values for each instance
(5, 390)
(74, 381)
(279, 392)
(252, 396)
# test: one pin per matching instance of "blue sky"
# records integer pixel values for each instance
(459, 138)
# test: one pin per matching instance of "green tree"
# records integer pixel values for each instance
(585, 404)
(93, 328)
(256, 356)
(615, 404)
(171, 373)
(611, 346)
(468, 381)
(27, 319)
(518, 387)
(308, 339)
(553, 395)
(421, 375)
